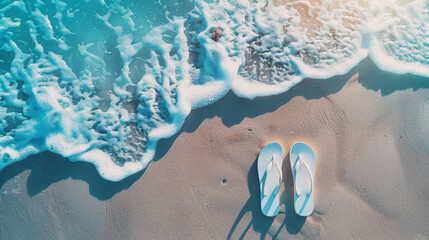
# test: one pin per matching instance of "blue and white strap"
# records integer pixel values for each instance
(270, 165)
(299, 162)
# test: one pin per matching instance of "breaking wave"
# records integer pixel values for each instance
(102, 81)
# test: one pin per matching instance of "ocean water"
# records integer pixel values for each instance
(102, 81)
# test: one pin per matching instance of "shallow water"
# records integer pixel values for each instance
(103, 81)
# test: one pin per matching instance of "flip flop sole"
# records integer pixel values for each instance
(270, 204)
(303, 204)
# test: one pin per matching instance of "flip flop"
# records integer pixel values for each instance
(270, 162)
(303, 165)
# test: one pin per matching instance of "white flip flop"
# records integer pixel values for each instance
(303, 165)
(270, 162)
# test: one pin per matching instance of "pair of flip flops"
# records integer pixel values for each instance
(303, 165)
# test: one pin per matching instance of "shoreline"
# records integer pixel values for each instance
(366, 127)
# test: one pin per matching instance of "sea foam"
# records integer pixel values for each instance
(103, 81)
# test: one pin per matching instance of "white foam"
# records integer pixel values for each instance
(95, 87)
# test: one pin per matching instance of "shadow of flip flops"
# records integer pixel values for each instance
(259, 221)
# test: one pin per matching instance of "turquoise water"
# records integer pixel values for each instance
(102, 81)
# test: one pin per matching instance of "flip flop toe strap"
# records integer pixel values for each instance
(272, 163)
(295, 167)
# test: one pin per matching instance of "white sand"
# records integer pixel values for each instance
(369, 130)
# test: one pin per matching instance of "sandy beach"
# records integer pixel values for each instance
(369, 130)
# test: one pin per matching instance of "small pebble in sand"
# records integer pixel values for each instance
(217, 33)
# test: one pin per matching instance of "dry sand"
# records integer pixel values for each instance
(369, 130)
